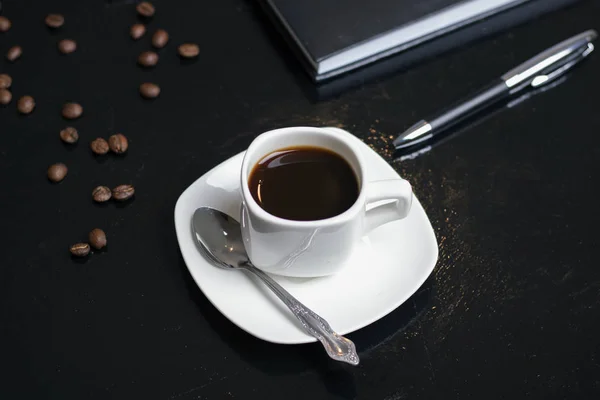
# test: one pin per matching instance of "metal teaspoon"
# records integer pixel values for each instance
(220, 238)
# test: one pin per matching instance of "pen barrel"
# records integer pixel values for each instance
(487, 96)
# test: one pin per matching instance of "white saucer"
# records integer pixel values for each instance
(388, 266)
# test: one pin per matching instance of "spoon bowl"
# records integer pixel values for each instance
(220, 237)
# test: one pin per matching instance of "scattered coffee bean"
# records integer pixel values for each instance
(160, 38)
(80, 249)
(5, 96)
(148, 59)
(14, 53)
(99, 146)
(55, 20)
(26, 104)
(67, 46)
(69, 135)
(72, 110)
(57, 172)
(123, 192)
(97, 238)
(5, 81)
(149, 90)
(118, 143)
(189, 50)
(5, 24)
(101, 194)
(145, 9)
(137, 31)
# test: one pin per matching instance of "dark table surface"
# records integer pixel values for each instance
(511, 310)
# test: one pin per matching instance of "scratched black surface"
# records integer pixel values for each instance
(512, 309)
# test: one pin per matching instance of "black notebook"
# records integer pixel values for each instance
(336, 36)
(461, 37)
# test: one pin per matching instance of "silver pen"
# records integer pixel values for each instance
(534, 73)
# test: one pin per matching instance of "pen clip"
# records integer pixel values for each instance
(559, 54)
(544, 79)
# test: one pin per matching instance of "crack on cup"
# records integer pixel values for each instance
(305, 245)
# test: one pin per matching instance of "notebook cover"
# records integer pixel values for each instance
(500, 21)
(327, 26)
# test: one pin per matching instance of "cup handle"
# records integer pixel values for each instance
(395, 196)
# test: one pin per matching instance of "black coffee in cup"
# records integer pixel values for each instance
(303, 183)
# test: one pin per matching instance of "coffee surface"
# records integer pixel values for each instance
(303, 184)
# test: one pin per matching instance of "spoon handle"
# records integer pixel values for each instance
(338, 347)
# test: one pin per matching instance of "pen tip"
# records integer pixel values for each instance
(417, 130)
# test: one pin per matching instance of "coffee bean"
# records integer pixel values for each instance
(80, 249)
(149, 90)
(26, 104)
(118, 143)
(101, 194)
(14, 53)
(55, 20)
(145, 9)
(137, 31)
(99, 146)
(148, 59)
(67, 46)
(5, 81)
(189, 50)
(72, 110)
(57, 172)
(123, 192)
(5, 24)
(5, 96)
(69, 135)
(160, 38)
(97, 238)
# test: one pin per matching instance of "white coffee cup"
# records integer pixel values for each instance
(320, 247)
